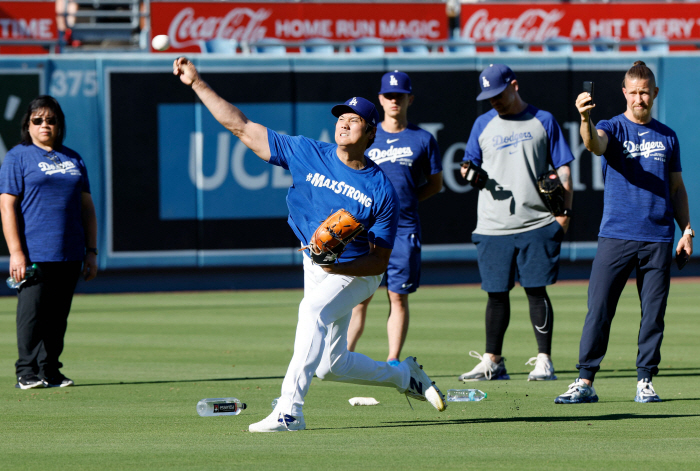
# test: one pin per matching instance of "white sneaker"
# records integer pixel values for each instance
(578, 393)
(487, 370)
(544, 369)
(278, 422)
(645, 392)
(421, 387)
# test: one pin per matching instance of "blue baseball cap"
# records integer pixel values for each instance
(395, 82)
(359, 106)
(494, 80)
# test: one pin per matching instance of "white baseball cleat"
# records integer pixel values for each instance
(544, 369)
(420, 386)
(578, 393)
(486, 370)
(645, 392)
(278, 422)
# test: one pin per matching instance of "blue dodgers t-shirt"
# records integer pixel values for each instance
(322, 184)
(49, 186)
(515, 150)
(636, 167)
(406, 157)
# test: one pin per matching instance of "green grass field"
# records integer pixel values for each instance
(141, 362)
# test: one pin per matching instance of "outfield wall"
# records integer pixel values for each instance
(174, 189)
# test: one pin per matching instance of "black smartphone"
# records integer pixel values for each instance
(681, 259)
(588, 87)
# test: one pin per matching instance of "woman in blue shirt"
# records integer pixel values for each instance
(48, 219)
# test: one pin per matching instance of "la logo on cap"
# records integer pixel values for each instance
(486, 82)
(353, 102)
(393, 81)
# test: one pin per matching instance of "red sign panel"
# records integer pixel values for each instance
(187, 24)
(27, 21)
(581, 21)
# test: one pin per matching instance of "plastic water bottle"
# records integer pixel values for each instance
(465, 395)
(12, 284)
(219, 406)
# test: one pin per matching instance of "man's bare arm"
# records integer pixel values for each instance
(253, 135)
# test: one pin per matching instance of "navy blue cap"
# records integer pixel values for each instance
(359, 106)
(396, 82)
(494, 80)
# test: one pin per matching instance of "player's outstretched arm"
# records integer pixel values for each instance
(594, 139)
(251, 134)
(681, 211)
(374, 263)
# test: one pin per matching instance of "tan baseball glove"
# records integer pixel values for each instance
(332, 236)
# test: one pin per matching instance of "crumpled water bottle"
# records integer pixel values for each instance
(465, 395)
(29, 273)
(219, 406)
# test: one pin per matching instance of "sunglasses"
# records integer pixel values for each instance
(51, 120)
(54, 158)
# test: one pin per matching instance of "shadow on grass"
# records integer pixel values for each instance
(125, 383)
(600, 375)
(506, 420)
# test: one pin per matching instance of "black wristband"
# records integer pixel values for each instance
(567, 212)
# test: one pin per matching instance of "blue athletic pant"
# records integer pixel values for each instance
(613, 264)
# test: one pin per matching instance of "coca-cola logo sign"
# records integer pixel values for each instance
(531, 25)
(241, 24)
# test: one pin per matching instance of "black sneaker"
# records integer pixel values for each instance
(29, 381)
(58, 381)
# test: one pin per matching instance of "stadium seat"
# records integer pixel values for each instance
(603, 44)
(653, 44)
(510, 46)
(219, 46)
(317, 46)
(460, 46)
(367, 46)
(413, 46)
(270, 46)
(558, 45)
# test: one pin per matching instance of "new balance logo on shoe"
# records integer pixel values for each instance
(421, 388)
(416, 386)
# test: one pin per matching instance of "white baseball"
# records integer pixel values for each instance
(161, 42)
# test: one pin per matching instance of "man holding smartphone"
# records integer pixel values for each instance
(644, 192)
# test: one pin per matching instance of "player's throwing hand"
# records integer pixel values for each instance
(186, 70)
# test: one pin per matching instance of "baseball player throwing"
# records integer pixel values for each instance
(328, 177)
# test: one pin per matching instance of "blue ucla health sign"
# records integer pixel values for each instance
(205, 172)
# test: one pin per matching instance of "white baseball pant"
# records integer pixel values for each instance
(321, 344)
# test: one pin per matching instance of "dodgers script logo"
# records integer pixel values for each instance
(393, 154)
(340, 188)
(62, 168)
(501, 142)
(645, 149)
